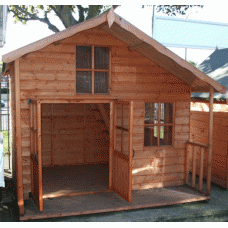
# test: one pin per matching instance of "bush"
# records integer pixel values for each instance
(4, 90)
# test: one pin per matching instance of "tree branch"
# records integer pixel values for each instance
(34, 17)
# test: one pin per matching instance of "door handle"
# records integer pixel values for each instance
(133, 153)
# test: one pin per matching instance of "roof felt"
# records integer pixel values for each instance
(216, 67)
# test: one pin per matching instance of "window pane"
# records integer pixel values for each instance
(166, 113)
(101, 82)
(101, 58)
(151, 113)
(165, 135)
(83, 82)
(84, 57)
(150, 136)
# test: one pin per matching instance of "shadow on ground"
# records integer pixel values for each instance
(214, 210)
(8, 203)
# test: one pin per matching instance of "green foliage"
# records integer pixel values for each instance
(173, 10)
(66, 13)
(5, 142)
(192, 63)
(4, 90)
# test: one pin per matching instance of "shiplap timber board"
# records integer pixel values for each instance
(51, 80)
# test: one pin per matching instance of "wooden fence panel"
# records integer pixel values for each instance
(199, 133)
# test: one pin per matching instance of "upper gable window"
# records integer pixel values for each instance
(92, 69)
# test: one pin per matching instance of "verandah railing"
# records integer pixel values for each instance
(198, 167)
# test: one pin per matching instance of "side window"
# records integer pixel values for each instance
(92, 69)
(158, 124)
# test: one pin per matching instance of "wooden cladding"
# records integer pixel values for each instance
(199, 133)
(75, 134)
(50, 74)
(92, 69)
(155, 167)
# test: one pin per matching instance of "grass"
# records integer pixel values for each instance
(5, 142)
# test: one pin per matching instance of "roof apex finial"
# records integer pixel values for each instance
(111, 17)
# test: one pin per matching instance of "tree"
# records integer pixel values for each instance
(66, 13)
(192, 63)
(173, 10)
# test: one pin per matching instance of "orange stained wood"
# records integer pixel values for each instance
(195, 159)
(210, 138)
(48, 75)
(122, 154)
(76, 128)
(199, 131)
(36, 156)
(19, 174)
(201, 169)
(111, 144)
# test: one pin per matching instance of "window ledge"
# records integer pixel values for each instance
(152, 148)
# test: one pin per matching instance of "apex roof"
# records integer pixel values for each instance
(137, 40)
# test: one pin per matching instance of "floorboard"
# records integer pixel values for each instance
(110, 201)
(67, 180)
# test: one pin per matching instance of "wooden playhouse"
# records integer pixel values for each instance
(100, 121)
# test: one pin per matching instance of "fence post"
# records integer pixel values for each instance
(2, 182)
(210, 138)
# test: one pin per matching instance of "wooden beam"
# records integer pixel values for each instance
(131, 119)
(92, 72)
(91, 99)
(104, 114)
(19, 174)
(194, 167)
(210, 138)
(31, 143)
(52, 138)
(39, 156)
(111, 144)
(201, 169)
(122, 128)
(227, 166)
(137, 45)
(197, 144)
(188, 147)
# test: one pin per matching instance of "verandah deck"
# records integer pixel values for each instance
(110, 202)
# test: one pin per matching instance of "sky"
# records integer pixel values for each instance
(18, 35)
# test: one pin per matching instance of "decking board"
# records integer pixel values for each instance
(110, 202)
(63, 180)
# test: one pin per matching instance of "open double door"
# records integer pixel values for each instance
(36, 156)
(120, 157)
